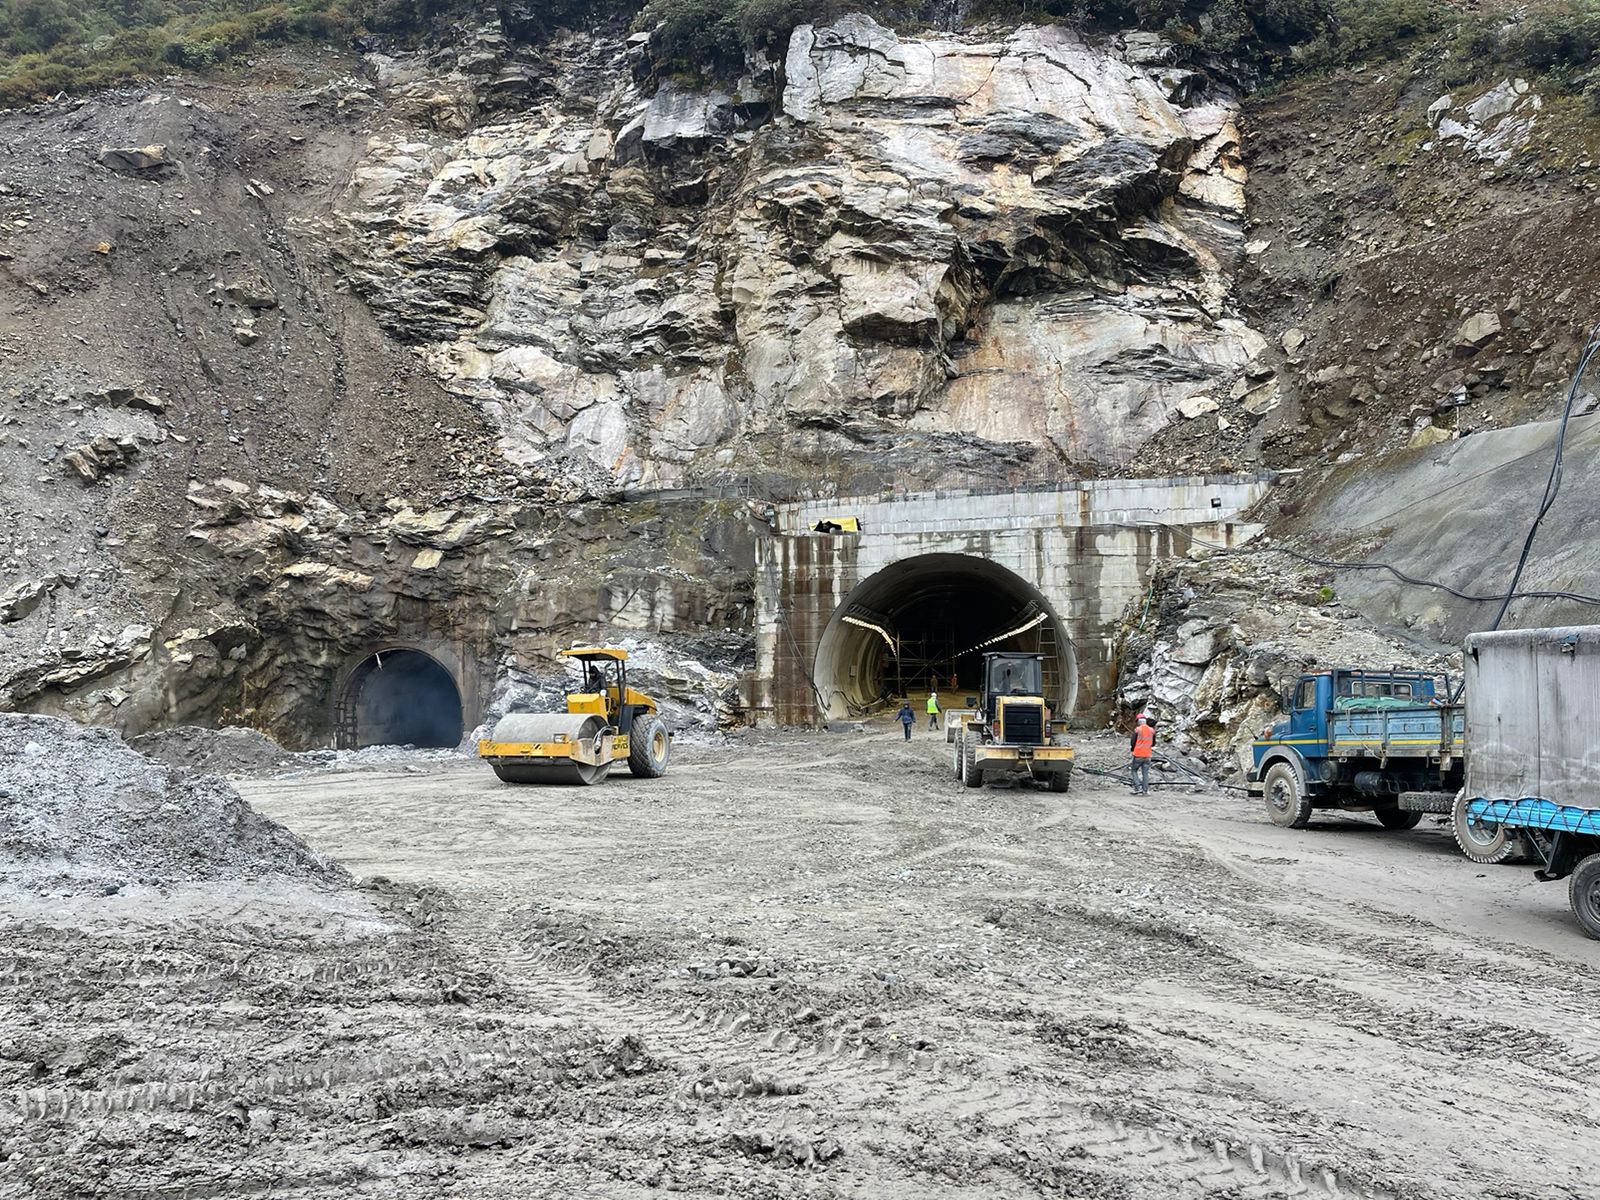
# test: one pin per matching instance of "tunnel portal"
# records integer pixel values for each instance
(401, 697)
(927, 621)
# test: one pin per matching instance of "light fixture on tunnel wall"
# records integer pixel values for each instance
(878, 629)
(1040, 619)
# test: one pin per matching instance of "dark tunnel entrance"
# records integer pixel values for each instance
(927, 620)
(398, 698)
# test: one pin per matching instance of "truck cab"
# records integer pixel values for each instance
(1360, 740)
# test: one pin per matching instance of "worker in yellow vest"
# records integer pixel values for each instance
(933, 710)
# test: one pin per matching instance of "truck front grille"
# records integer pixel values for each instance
(1024, 724)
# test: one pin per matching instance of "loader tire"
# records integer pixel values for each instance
(1584, 891)
(1391, 817)
(1486, 845)
(1060, 781)
(971, 773)
(649, 748)
(1287, 803)
(956, 751)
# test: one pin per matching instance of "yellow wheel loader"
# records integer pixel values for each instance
(1012, 734)
(606, 722)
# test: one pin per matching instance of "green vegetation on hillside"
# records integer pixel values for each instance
(48, 46)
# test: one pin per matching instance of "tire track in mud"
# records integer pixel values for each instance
(882, 1096)
(1301, 942)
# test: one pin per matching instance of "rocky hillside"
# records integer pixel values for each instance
(489, 340)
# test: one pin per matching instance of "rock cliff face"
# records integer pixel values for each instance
(885, 250)
(405, 349)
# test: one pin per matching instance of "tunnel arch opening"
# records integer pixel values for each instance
(399, 697)
(929, 620)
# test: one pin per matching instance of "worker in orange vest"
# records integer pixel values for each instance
(1143, 745)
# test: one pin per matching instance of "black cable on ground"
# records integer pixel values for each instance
(1552, 485)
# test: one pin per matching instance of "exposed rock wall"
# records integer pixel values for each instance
(347, 353)
(1024, 243)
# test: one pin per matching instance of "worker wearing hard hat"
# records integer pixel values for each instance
(933, 710)
(1142, 745)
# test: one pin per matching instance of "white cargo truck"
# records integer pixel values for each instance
(1533, 751)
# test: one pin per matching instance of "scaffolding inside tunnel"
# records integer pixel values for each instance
(924, 624)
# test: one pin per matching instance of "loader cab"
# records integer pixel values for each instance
(1013, 698)
(602, 687)
(1011, 675)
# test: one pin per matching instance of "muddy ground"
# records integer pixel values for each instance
(805, 965)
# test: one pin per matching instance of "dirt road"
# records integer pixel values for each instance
(815, 965)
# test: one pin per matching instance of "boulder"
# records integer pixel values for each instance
(136, 160)
(1429, 435)
(1478, 331)
(23, 597)
(95, 459)
(253, 292)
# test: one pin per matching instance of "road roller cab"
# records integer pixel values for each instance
(606, 722)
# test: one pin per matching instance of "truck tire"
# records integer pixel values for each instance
(1485, 845)
(1060, 781)
(649, 748)
(1397, 818)
(956, 752)
(1585, 893)
(1287, 804)
(971, 773)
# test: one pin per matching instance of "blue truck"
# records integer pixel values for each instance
(1516, 766)
(1385, 742)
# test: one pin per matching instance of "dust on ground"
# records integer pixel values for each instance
(808, 964)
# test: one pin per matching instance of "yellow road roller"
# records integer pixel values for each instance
(606, 722)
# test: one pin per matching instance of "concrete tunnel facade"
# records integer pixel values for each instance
(957, 568)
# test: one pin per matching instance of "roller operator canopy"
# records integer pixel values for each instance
(588, 652)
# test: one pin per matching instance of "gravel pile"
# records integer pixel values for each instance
(78, 805)
(233, 750)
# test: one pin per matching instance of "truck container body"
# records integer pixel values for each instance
(1533, 771)
(1533, 715)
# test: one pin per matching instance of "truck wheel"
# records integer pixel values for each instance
(1585, 893)
(649, 748)
(1397, 818)
(1485, 845)
(971, 773)
(1287, 803)
(956, 752)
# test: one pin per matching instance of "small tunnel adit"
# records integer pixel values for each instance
(924, 621)
(399, 698)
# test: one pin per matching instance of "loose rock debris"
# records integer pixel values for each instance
(79, 808)
(1011, 996)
